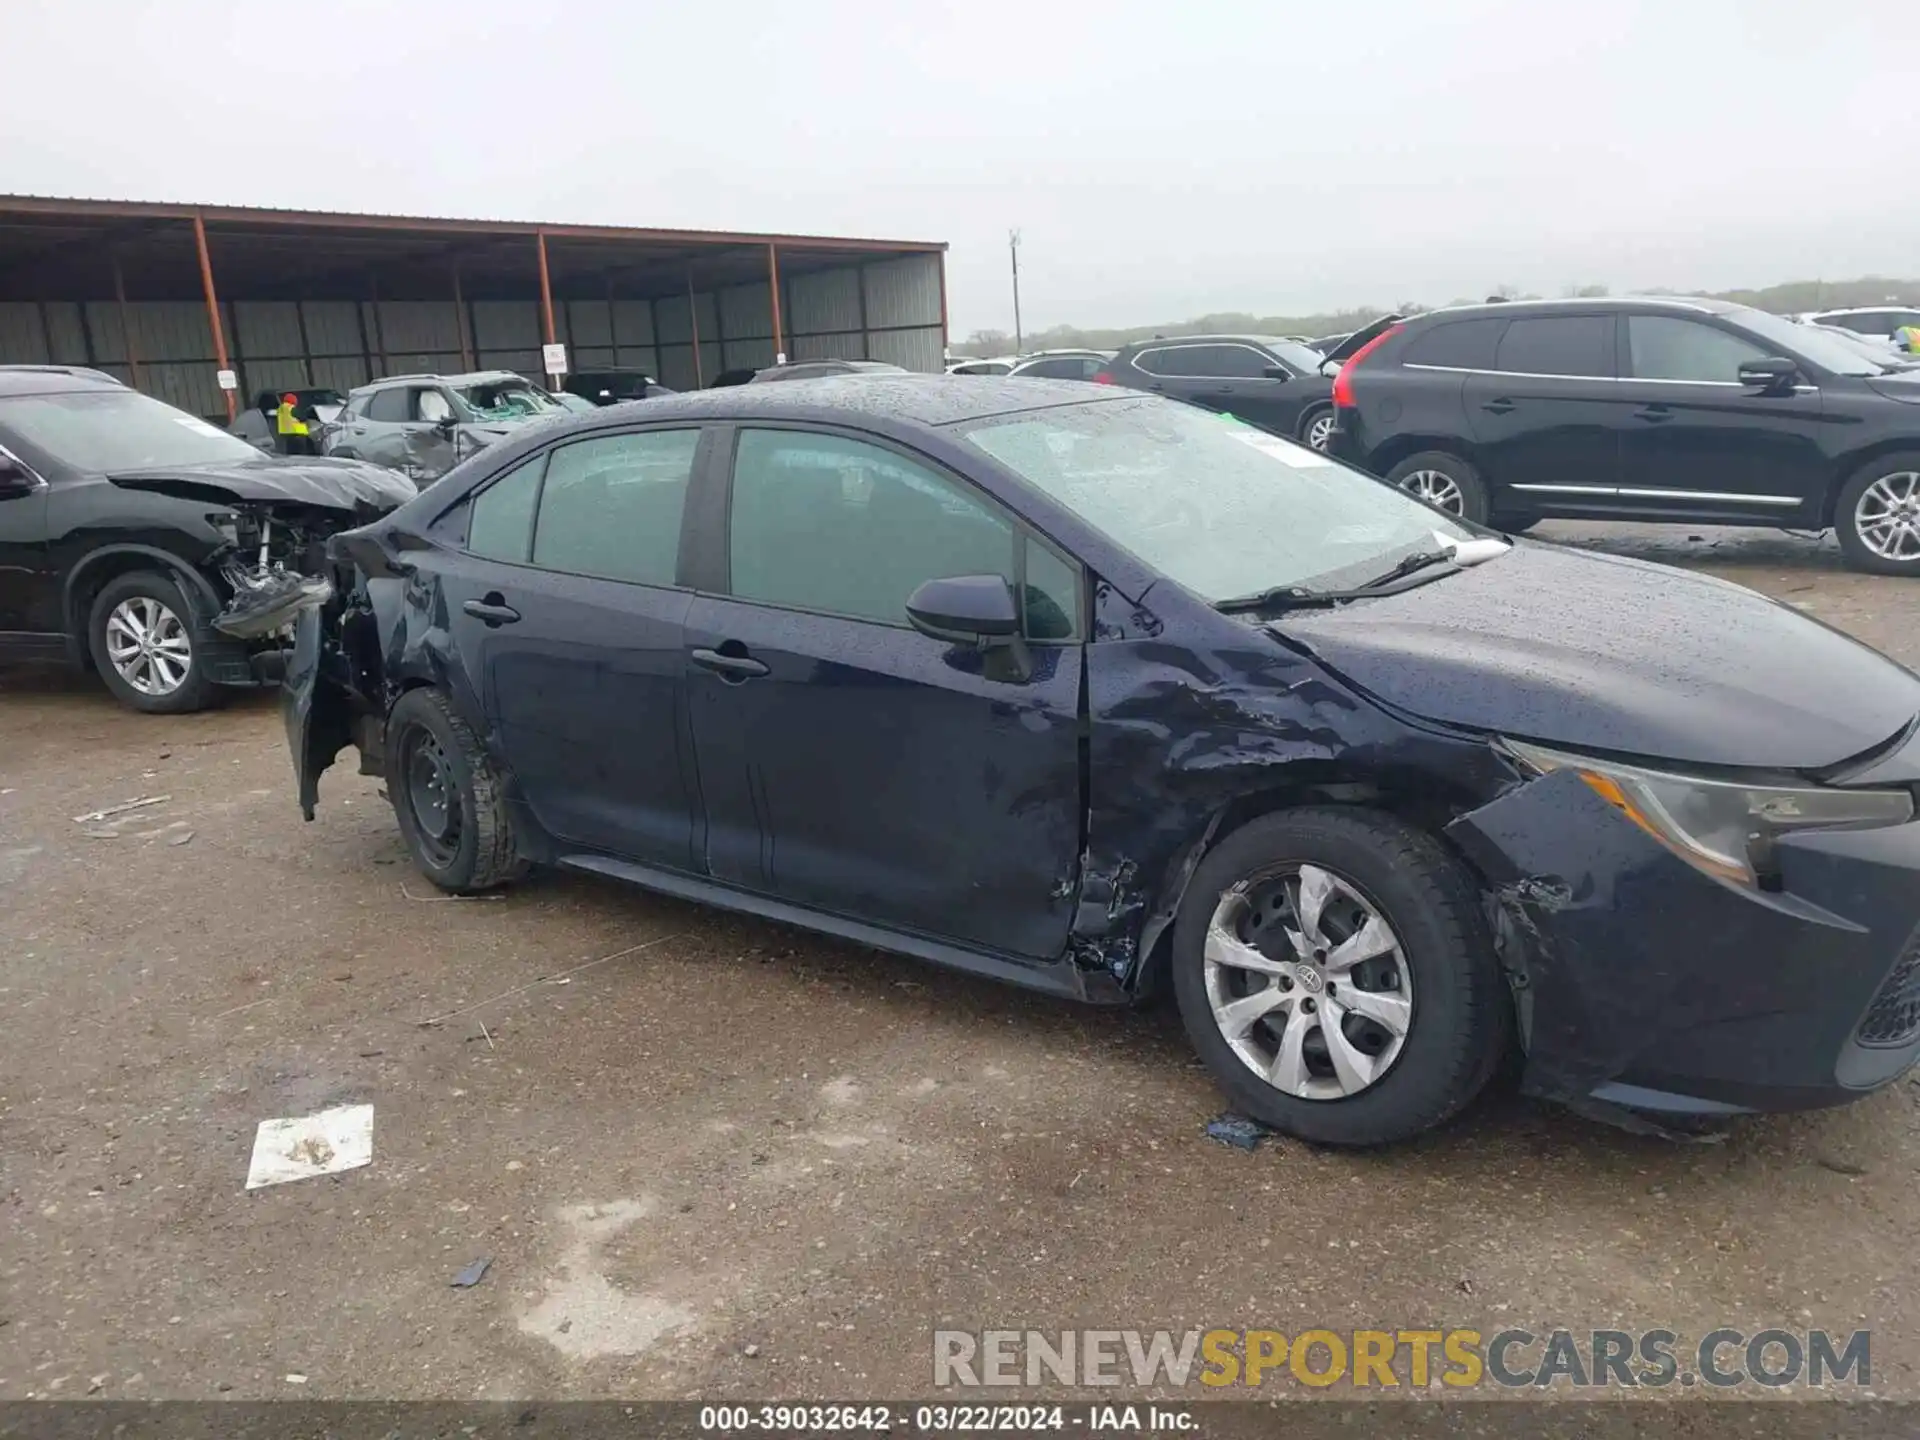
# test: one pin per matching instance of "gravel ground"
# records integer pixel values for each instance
(722, 1158)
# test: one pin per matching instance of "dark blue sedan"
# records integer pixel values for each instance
(1094, 692)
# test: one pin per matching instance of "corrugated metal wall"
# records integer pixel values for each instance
(883, 310)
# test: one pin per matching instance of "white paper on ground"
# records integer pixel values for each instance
(307, 1145)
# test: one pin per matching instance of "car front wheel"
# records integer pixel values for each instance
(1877, 516)
(141, 634)
(1335, 973)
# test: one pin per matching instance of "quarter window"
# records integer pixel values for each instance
(1557, 345)
(611, 506)
(1664, 348)
(501, 523)
(841, 527)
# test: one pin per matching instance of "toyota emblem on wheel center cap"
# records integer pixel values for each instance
(1308, 977)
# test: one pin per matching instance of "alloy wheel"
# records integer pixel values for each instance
(1437, 488)
(148, 645)
(1320, 432)
(433, 795)
(1887, 516)
(1308, 983)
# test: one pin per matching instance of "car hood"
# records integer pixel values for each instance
(350, 485)
(1902, 385)
(1602, 653)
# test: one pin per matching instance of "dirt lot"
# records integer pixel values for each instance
(722, 1158)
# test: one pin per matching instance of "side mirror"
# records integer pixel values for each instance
(965, 610)
(1771, 375)
(446, 424)
(1277, 372)
(15, 478)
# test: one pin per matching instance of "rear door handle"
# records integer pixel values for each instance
(1653, 414)
(492, 611)
(1501, 406)
(730, 667)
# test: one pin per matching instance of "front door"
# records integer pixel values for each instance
(1545, 419)
(853, 765)
(28, 599)
(566, 611)
(1699, 443)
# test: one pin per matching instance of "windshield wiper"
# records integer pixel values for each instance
(1283, 596)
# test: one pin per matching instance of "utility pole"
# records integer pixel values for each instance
(1013, 253)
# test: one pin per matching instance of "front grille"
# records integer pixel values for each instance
(1894, 1017)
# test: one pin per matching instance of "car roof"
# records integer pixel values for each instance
(471, 377)
(1698, 304)
(924, 400)
(1865, 309)
(53, 379)
(1160, 340)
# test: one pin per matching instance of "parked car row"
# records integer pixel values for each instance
(1662, 409)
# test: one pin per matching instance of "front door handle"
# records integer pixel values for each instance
(1653, 414)
(733, 667)
(1502, 406)
(492, 610)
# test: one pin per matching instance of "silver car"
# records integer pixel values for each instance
(424, 425)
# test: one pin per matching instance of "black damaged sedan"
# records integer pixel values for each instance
(1097, 693)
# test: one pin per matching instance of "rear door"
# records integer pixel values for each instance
(1230, 377)
(1546, 419)
(849, 763)
(29, 600)
(567, 610)
(1700, 444)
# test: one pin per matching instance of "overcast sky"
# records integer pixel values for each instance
(1162, 159)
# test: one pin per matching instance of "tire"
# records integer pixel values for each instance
(1455, 1012)
(1887, 489)
(1444, 480)
(1316, 428)
(467, 846)
(146, 646)
(1516, 524)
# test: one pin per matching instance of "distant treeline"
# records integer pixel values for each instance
(1787, 299)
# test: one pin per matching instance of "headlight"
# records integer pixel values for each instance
(1724, 827)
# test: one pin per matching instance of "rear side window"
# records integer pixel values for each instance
(1557, 345)
(386, 406)
(1231, 362)
(1660, 347)
(1455, 345)
(1063, 367)
(501, 523)
(611, 506)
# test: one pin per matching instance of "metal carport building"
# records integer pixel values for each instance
(167, 297)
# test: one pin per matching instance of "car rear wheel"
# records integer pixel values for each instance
(1877, 516)
(448, 798)
(1316, 430)
(1335, 973)
(140, 632)
(1445, 481)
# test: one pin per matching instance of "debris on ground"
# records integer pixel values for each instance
(95, 816)
(1840, 1167)
(1237, 1131)
(304, 1146)
(181, 839)
(473, 1274)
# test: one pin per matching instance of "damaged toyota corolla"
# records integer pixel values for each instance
(1095, 692)
(164, 553)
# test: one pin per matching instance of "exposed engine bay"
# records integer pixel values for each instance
(274, 568)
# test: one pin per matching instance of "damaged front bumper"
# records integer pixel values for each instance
(1643, 982)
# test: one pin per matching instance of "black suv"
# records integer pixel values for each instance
(1684, 410)
(160, 550)
(1276, 384)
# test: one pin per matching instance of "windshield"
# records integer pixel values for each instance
(1224, 509)
(1301, 357)
(108, 431)
(507, 400)
(1809, 342)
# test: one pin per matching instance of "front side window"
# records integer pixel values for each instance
(1661, 347)
(611, 506)
(1216, 505)
(842, 527)
(1578, 345)
(431, 406)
